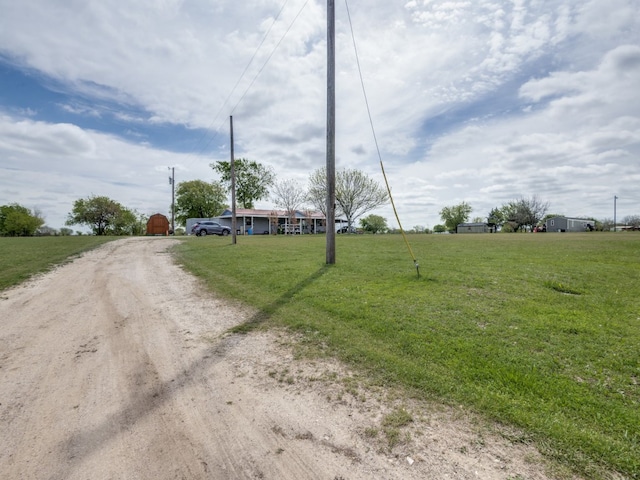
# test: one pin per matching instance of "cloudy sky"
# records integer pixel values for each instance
(482, 101)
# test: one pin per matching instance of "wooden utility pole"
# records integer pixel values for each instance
(331, 134)
(172, 181)
(232, 167)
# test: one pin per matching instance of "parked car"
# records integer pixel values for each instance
(347, 230)
(208, 227)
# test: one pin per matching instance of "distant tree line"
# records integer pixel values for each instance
(522, 214)
(355, 195)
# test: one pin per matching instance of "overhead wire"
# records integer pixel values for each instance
(375, 139)
(270, 55)
(242, 75)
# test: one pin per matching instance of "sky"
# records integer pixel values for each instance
(481, 101)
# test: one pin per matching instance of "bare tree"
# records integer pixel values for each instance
(356, 193)
(317, 192)
(288, 195)
(632, 221)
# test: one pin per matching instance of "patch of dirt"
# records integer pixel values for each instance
(118, 365)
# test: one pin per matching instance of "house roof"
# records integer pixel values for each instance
(252, 212)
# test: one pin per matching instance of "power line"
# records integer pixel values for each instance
(255, 77)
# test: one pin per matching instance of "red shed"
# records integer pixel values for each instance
(158, 224)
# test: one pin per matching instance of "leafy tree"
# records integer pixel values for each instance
(454, 215)
(495, 218)
(288, 195)
(128, 222)
(524, 212)
(98, 213)
(439, 228)
(19, 221)
(199, 199)
(252, 180)
(374, 224)
(65, 232)
(419, 229)
(356, 193)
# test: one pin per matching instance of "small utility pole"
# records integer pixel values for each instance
(232, 167)
(172, 181)
(331, 134)
(615, 223)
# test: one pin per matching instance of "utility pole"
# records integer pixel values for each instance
(615, 223)
(232, 167)
(172, 182)
(331, 134)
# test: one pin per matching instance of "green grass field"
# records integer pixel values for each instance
(21, 258)
(540, 331)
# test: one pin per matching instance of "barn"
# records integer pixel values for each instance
(158, 224)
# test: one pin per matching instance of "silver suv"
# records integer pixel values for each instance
(208, 227)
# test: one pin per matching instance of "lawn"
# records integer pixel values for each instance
(22, 257)
(540, 331)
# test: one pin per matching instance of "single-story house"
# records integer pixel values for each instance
(158, 224)
(566, 224)
(474, 228)
(264, 222)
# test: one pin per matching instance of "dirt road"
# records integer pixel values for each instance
(118, 366)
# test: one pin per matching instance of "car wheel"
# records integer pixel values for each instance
(203, 232)
(225, 233)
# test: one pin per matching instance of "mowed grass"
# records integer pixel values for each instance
(540, 331)
(22, 257)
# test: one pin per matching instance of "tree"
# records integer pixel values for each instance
(288, 195)
(356, 193)
(632, 221)
(454, 215)
(128, 222)
(19, 221)
(252, 180)
(605, 225)
(524, 212)
(317, 192)
(439, 228)
(65, 232)
(199, 199)
(495, 218)
(98, 213)
(374, 224)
